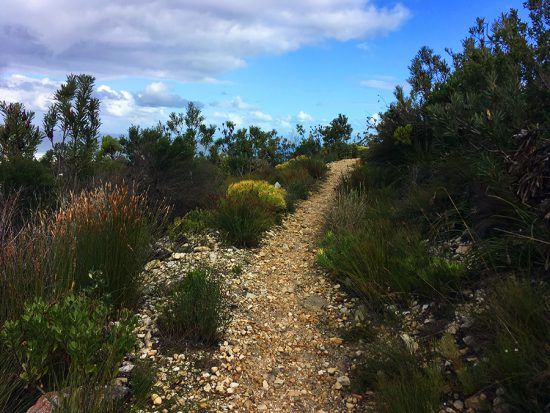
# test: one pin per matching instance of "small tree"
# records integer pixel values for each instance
(76, 113)
(336, 135)
(19, 138)
(110, 147)
(188, 130)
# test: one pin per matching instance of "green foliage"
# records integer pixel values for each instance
(336, 135)
(19, 138)
(196, 221)
(243, 220)
(102, 239)
(515, 329)
(142, 381)
(34, 183)
(49, 340)
(196, 311)
(403, 134)
(364, 245)
(250, 208)
(271, 198)
(158, 160)
(110, 147)
(411, 391)
(298, 176)
(238, 151)
(402, 385)
(75, 111)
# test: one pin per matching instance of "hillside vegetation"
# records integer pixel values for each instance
(443, 230)
(133, 268)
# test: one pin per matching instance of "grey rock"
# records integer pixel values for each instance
(315, 303)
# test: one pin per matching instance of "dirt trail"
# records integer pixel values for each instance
(282, 346)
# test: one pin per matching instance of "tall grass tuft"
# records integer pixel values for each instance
(25, 270)
(395, 371)
(377, 252)
(196, 310)
(515, 329)
(102, 239)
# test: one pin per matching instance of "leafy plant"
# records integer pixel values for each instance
(271, 198)
(194, 222)
(73, 335)
(196, 309)
(249, 208)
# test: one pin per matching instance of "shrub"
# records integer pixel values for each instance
(365, 245)
(243, 222)
(141, 382)
(298, 176)
(249, 208)
(411, 391)
(196, 311)
(261, 191)
(107, 233)
(73, 335)
(34, 182)
(25, 270)
(194, 222)
(315, 167)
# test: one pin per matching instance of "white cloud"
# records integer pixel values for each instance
(156, 94)
(239, 103)
(35, 93)
(193, 40)
(233, 117)
(261, 116)
(384, 84)
(116, 103)
(304, 117)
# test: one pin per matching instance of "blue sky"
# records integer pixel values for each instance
(271, 62)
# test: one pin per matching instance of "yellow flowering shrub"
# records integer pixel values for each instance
(291, 162)
(267, 194)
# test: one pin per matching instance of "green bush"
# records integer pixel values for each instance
(412, 391)
(142, 380)
(271, 198)
(33, 181)
(73, 335)
(249, 209)
(194, 222)
(196, 310)
(243, 222)
(298, 176)
(366, 245)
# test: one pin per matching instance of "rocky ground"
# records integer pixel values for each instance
(282, 351)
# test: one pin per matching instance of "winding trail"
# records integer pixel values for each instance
(282, 345)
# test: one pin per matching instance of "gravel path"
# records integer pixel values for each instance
(282, 352)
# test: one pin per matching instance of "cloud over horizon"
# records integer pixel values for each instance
(190, 40)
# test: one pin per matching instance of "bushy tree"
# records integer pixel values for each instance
(74, 114)
(336, 136)
(19, 137)
(188, 130)
(309, 146)
(244, 149)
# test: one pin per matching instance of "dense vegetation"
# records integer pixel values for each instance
(448, 210)
(452, 197)
(78, 225)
